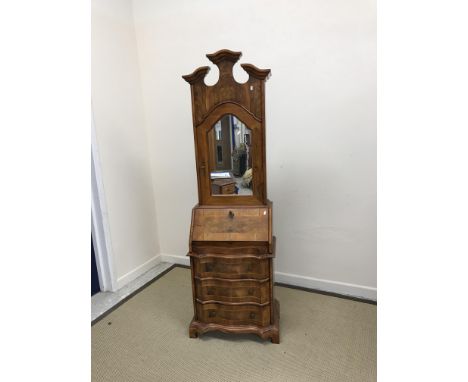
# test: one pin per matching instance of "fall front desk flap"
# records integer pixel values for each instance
(231, 224)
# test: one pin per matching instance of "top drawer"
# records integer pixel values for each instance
(231, 268)
(231, 224)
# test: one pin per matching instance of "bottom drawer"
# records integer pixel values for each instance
(234, 314)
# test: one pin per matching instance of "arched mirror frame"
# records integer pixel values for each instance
(203, 148)
(247, 103)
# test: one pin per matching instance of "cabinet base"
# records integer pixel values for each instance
(265, 332)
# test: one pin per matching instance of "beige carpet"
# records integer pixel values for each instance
(146, 339)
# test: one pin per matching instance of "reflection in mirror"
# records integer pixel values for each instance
(229, 144)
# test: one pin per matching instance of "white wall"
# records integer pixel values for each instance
(122, 144)
(321, 124)
(321, 128)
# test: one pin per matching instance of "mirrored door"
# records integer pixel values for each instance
(230, 157)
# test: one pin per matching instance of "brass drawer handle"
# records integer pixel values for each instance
(212, 313)
(252, 315)
(250, 292)
(231, 215)
(210, 292)
(209, 267)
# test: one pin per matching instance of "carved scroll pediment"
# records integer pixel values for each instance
(224, 55)
(249, 95)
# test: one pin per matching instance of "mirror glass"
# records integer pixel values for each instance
(229, 142)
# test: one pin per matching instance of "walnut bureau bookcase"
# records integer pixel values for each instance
(231, 244)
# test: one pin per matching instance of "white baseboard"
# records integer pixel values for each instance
(138, 271)
(353, 290)
(176, 259)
